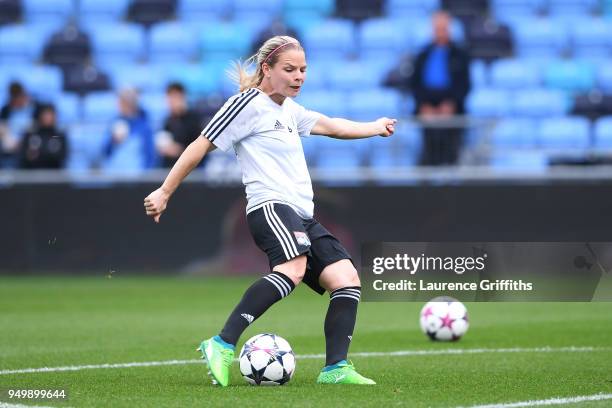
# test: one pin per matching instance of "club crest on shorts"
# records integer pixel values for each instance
(301, 238)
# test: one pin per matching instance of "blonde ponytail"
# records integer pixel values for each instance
(267, 53)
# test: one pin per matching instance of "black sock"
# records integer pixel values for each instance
(340, 322)
(255, 301)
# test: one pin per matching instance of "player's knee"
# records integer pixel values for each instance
(352, 277)
(293, 269)
(340, 275)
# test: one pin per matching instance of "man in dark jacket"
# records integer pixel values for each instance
(44, 146)
(181, 127)
(440, 83)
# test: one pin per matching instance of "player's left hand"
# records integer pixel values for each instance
(387, 126)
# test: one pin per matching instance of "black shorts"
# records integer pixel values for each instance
(283, 235)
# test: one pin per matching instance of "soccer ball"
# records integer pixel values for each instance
(267, 359)
(444, 318)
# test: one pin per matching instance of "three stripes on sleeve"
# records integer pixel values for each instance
(227, 114)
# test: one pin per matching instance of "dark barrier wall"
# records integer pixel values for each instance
(79, 230)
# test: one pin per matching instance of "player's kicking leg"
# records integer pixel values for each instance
(342, 282)
(218, 351)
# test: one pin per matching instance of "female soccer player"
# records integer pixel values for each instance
(263, 125)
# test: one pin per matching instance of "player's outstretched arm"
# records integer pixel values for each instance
(155, 203)
(347, 129)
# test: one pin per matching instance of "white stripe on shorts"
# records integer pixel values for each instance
(274, 230)
(284, 228)
(281, 231)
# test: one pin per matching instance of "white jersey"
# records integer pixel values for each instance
(266, 139)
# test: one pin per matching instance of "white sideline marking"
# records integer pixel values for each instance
(7, 405)
(551, 401)
(571, 349)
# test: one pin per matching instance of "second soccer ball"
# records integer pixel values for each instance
(444, 318)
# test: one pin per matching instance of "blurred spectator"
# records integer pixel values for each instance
(44, 146)
(181, 127)
(400, 76)
(10, 11)
(359, 9)
(67, 47)
(276, 27)
(440, 83)
(149, 12)
(130, 143)
(83, 79)
(15, 119)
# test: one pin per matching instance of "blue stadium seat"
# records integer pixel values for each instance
(68, 108)
(42, 81)
(367, 105)
(328, 145)
(569, 75)
(488, 102)
(313, 7)
(406, 143)
(117, 43)
(411, 8)
(254, 22)
(199, 79)
(144, 77)
(383, 34)
(607, 8)
(309, 144)
(330, 103)
(172, 42)
(100, 107)
(604, 76)
(383, 160)
(540, 37)
(224, 41)
(316, 76)
(591, 38)
(48, 10)
(302, 21)
(86, 143)
(529, 161)
(271, 7)
(514, 133)
(571, 8)
(156, 106)
(479, 74)
(339, 163)
(538, 102)
(355, 74)
(95, 11)
(408, 134)
(514, 73)
(20, 44)
(126, 158)
(345, 150)
(331, 39)
(198, 10)
(564, 133)
(603, 132)
(512, 12)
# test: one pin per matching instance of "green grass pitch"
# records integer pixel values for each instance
(54, 322)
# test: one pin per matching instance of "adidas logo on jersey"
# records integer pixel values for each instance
(278, 126)
(248, 317)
